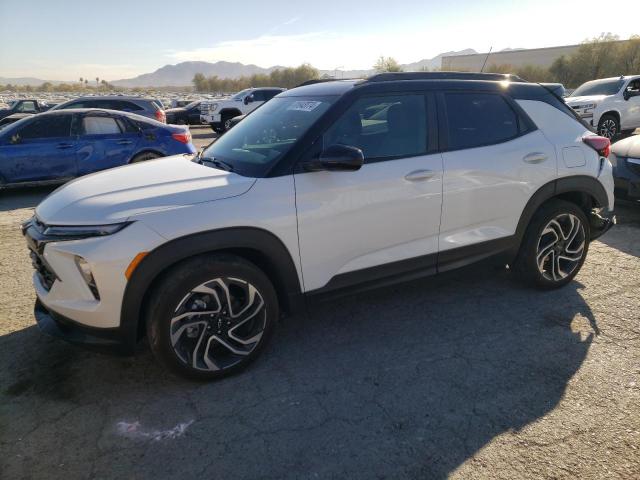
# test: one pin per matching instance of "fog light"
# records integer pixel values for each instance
(87, 275)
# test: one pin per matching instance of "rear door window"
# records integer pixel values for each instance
(48, 126)
(477, 119)
(100, 126)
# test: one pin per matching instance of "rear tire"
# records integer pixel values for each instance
(144, 156)
(554, 246)
(211, 316)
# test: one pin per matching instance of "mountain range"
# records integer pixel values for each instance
(181, 74)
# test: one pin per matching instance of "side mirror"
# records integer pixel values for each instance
(15, 139)
(626, 94)
(248, 99)
(337, 158)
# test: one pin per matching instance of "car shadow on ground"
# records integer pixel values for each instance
(29, 197)
(405, 382)
(628, 219)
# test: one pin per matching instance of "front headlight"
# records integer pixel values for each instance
(84, 231)
(213, 107)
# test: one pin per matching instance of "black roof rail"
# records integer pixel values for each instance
(391, 76)
(316, 80)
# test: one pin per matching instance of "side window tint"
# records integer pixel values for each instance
(49, 126)
(100, 126)
(258, 96)
(476, 119)
(384, 126)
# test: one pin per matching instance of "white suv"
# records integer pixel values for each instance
(327, 189)
(218, 113)
(611, 105)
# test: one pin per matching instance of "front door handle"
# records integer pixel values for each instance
(125, 142)
(63, 146)
(418, 175)
(535, 157)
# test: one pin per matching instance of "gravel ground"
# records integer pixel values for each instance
(469, 376)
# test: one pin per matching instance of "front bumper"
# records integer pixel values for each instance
(112, 340)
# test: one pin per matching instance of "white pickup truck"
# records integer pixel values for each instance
(218, 113)
(611, 105)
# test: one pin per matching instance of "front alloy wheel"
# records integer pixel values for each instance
(210, 316)
(561, 247)
(608, 127)
(218, 323)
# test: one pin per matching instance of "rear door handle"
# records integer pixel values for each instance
(125, 142)
(418, 175)
(63, 146)
(535, 157)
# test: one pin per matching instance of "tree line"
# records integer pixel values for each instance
(600, 57)
(281, 77)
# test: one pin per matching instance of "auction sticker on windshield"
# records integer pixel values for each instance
(302, 106)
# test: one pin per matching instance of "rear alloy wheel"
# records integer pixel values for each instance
(608, 126)
(211, 317)
(561, 247)
(555, 245)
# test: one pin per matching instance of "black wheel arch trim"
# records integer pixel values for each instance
(579, 184)
(267, 248)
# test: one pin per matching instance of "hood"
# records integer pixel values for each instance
(629, 147)
(120, 193)
(585, 99)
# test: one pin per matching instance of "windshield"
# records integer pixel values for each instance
(598, 87)
(12, 103)
(240, 95)
(255, 144)
(192, 104)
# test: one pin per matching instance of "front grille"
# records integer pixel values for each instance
(44, 271)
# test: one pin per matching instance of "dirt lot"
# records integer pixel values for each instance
(468, 376)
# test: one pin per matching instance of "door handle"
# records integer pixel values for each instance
(125, 142)
(63, 146)
(418, 175)
(535, 157)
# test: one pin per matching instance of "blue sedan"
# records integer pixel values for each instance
(55, 146)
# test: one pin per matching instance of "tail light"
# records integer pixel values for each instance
(602, 145)
(160, 116)
(182, 137)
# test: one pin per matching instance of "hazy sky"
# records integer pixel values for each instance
(66, 39)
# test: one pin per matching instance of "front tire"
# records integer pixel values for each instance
(211, 316)
(555, 245)
(609, 126)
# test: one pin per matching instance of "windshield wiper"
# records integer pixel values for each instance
(216, 163)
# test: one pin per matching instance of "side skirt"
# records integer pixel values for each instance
(500, 250)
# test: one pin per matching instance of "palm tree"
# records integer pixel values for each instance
(97, 81)
(86, 82)
(81, 80)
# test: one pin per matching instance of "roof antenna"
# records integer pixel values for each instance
(486, 58)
